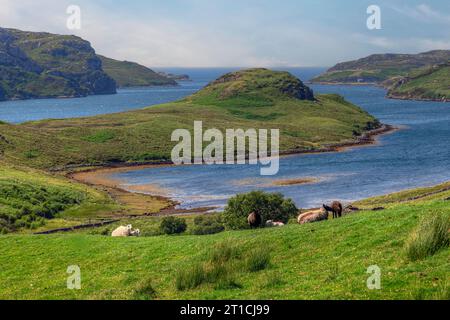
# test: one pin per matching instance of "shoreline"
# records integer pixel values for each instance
(379, 85)
(99, 176)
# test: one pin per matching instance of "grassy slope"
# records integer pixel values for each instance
(326, 260)
(429, 84)
(145, 135)
(130, 74)
(29, 181)
(381, 67)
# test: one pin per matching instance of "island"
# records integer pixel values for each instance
(253, 98)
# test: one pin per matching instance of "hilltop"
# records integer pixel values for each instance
(44, 65)
(131, 74)
(255, 98)
(377, 68)
(255, 84)
(428, 83)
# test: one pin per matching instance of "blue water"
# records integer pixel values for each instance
(417, 155)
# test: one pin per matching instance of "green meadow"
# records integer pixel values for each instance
(325, 260)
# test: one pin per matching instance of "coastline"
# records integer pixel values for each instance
(379, 85)
(100, 176)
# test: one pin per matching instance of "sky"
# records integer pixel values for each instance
(240, 33)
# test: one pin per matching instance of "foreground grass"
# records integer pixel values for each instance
(327, 260)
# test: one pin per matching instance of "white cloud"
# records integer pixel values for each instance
(423, 12)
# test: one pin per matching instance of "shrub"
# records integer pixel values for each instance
(258, 259)
(173, 225)
(271, 206)
(430, 236)
(207, 225)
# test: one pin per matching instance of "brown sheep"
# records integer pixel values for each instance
(254, 219)
(312, 216)
(336, 208)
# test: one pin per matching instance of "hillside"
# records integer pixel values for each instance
(429, 83)
(325, 260)
(255, 98)
(44, 65)
(131, 74)
(377, 68)
(32, 199)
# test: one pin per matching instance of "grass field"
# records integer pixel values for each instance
(326, 260)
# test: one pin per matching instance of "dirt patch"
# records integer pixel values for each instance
(135, 203)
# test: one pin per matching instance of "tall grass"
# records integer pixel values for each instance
(190, 278)
(222, 266)
(258, 259)
(431, 235)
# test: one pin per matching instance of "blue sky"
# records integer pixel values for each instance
(244, 33)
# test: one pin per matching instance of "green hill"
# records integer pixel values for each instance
(377, 68)
(255, 98)
(429, 83)
(325, 260)
(131, 74)
(44, 65)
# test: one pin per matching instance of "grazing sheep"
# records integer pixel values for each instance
(312, 216)
(127, 231)
(336, 208)
(271, 224)
(254, 220)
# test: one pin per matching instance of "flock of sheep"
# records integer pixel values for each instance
(255, 220)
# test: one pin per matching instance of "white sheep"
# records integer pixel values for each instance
(271, 224)
(127, 231)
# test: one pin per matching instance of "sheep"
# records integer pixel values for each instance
(336, 208)
(254, 219)
(312, 216)
(271, 224)
(127, 231)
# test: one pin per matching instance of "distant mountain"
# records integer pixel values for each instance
(378, 68)
(131, 74)
(428, 83)
(44, 65)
